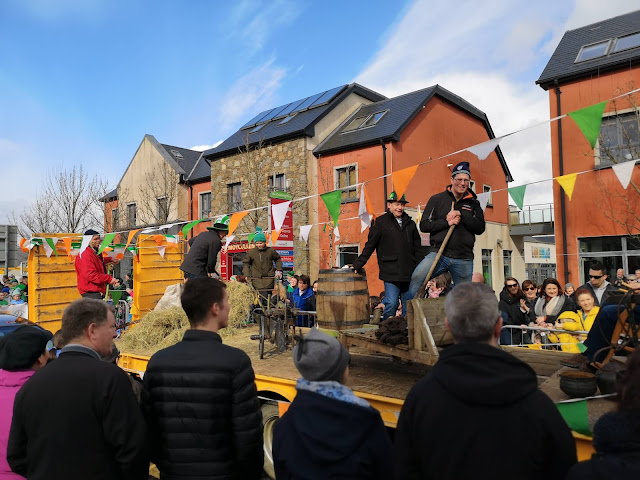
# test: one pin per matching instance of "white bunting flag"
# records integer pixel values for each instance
(279, 212)
(483, 198)
(623, 171)
(47, 248)
(86, 240)
(149, 230)
(304, 232)
(229, 240)
(482, 150)
(171, 238)
(161, 249)
(365, 217)
(336, 234)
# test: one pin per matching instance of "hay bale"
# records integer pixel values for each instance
(163, 328)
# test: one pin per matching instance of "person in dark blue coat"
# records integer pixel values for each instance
(328, 432)
(301, 299)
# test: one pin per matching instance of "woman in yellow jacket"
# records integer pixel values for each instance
(582, 320)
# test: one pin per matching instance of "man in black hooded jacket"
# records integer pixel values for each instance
(479, 413)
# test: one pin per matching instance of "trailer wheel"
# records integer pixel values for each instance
(270, 415)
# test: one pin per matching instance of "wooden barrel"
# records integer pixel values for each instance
(342, 301)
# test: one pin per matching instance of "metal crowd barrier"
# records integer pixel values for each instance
(507, 336)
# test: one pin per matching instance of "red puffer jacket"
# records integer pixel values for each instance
(92, 276)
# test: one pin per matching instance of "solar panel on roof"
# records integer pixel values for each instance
(291, 107)
(255, 119)
(273, 113)
(326, 96)
(309, 101)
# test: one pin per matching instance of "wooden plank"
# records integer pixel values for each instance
(420, 320)
(375, 346)
(544, 362)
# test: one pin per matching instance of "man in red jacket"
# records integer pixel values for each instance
(91, 270)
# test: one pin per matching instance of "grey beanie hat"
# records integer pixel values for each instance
(320, 357)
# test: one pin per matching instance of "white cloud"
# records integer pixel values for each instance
(255, 21)
(255, 91)
(202, 148)
(490, 54)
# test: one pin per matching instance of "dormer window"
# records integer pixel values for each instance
(627, 42)
(364, 121)
(596, 50)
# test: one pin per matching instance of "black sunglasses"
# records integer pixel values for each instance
(596, 276)
(529, 288)
(511, 285)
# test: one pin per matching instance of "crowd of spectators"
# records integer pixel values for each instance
(14, 292)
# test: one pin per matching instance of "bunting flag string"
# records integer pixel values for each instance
(483, 199)
(279, 212)
(50, 245)
(67, 245)
(588, 120)
(229, 239)
(274, 236)
(132, 234)
(106, 241)
(623, 171)
(483, 150)
(567, 182)
(86, 240)
(187, 228)
(517, 195)
(251, 236)
(235, 220)
(402, 178)
(161, 250)
(332, 201)
(304, 232)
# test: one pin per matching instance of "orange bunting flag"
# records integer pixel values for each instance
(567, 182)
(22, 247)
(402, 178)
(132, 233)
(274, 236)
(158, 239)
(235, 220)
(67, 245)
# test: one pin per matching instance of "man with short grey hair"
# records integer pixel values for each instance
(479, 412)
(78, 418)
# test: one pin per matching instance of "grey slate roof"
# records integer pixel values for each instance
(112, 195)
(193, 168)
(301, 125)
(401, 110)
(561, 65)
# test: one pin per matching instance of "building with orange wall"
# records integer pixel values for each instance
(400, 132)
(600, 222)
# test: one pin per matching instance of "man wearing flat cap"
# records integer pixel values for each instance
(329, 432)
(91, 269)
(457, 206)
(200, 261)
(395, 238)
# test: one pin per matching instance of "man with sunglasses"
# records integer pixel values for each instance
(598, 285)
(458, 206)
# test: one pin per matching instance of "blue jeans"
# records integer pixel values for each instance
(460, 270)
(393, 292)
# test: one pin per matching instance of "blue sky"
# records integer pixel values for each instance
(82, 81)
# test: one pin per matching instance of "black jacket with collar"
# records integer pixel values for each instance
(203, 412)
(203, 252)
(434, 222)
(397, 248)
(605, 295)
(78, 418)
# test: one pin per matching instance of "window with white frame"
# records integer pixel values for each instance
(205, 205)
(619, 139)
(346, 179)
(277, 182)
(347, 254)
(487, 189)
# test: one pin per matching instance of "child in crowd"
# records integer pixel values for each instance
(16, 296)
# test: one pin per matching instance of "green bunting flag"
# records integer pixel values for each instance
(108, 238)
(324, 229)
(116, 295)
(250, 237)
(189, 226)
(332, 202)
(52, 245)
(575, 414)
(588, 120)
(517, 194)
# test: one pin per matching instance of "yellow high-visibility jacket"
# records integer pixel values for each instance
(573, 321)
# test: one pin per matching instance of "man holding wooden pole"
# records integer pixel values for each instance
(453, 218)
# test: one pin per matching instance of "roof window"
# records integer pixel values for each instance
(287, 119)
(364, 121)
(627, 42)
(259, 127)
(176, 154)
(589, 52)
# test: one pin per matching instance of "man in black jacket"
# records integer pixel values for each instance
(77, 418)
(479, 413)
(202, 257)
(395, 238)
(200, 398)
(598, 285)
(458, 206)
